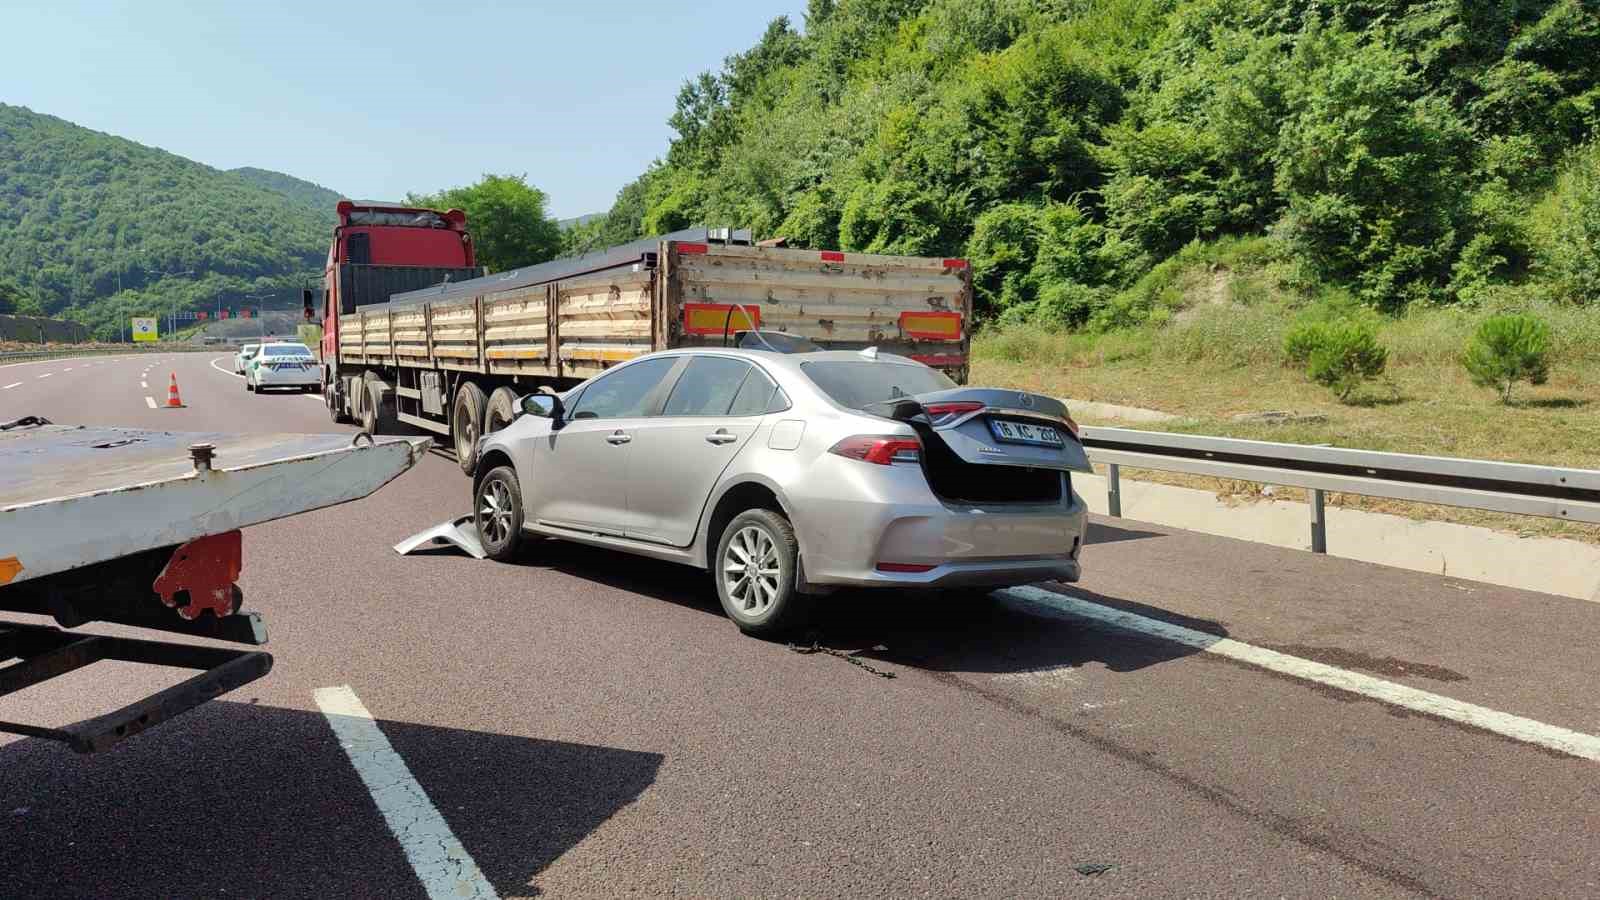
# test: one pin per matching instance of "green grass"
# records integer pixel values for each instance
(1211, 360)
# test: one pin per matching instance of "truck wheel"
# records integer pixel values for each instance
(377, 411)
(501, 409)
(466, 425)
(497, 511)
(755, 566)
(330, 396)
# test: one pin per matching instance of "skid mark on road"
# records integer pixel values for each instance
(1528, 731)
(440, 861)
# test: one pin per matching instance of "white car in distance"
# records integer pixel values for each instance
(283, 365)
(243, 357)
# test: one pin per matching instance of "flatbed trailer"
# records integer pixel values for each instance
(141, 528)
(453, 359)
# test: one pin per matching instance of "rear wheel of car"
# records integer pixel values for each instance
(248, 387)
(466, 424)
(497, 511)
(755, 566)
(500, 410)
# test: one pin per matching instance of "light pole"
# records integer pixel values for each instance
(172, 318)
(259, 317)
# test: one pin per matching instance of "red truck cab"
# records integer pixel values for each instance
(379, 249)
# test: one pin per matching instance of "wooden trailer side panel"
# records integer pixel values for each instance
(913, 306)
(602, 320)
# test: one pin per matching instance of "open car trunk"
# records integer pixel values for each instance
(986, 445)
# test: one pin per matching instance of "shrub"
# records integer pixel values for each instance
(1302, 340)
(1338, 355)
(1507, 349)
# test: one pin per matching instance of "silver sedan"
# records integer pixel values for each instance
(788, 475)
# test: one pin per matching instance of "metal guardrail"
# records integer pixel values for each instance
(16, 356)
(1569, 494)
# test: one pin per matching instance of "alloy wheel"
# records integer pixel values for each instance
(750, 571)
(494, 511)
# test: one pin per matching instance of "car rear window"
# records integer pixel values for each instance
(287, 351)
(857, 384)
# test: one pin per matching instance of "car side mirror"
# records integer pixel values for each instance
(545, 406)
(306, 307)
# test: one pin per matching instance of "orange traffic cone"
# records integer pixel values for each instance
(172, 394)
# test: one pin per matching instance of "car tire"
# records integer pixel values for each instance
(497, 513)
(466, 425)
(762, 599)
(248, 387)
(500, 411)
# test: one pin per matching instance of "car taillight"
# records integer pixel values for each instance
(879, 449)
(1071, 424)
(944, 413)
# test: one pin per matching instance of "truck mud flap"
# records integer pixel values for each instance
(43, 653)
(459, 531)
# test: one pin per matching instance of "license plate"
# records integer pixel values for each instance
(1025, 433)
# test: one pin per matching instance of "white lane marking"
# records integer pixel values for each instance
(46, 375)
(67, 369)
(144, 384)
(443, 865)
(150, 402)
(222, 370)
(10, 386)
(1553, 737)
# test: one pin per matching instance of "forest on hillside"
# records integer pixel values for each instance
(1395, 153)
(83, 213)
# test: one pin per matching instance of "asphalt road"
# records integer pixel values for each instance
(586, 724)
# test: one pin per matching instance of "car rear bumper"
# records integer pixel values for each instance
(880, 531)
(269, 378)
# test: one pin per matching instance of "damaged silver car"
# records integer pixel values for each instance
(789, 474)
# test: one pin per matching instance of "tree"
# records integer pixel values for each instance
(506, 217)
(1507, 349)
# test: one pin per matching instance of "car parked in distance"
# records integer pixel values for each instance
(283, 365)
(790, 474)
(242, 359)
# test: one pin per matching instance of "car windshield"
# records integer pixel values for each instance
(286, 351)
(857, 384)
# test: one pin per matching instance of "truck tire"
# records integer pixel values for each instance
(466, 424)
(377, 409)
(500, 411)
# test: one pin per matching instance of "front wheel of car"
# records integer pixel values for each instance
(498, 514)
(755, 567)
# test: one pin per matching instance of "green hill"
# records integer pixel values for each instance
(1392, 151)
(313, 196)
(78, 208)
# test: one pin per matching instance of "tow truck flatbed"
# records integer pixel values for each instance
(141, 528)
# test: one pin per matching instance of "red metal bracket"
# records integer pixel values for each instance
(206, 568)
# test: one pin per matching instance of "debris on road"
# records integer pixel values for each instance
(459, 531)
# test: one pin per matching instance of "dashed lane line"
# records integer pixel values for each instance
(11, 385)
(442, 864)
(45, 375)
(144, 384)
(150, 402)
(1528, 731)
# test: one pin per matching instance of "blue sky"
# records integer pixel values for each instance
(375, 99)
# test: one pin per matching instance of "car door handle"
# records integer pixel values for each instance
(618, 437)
(721, 436)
